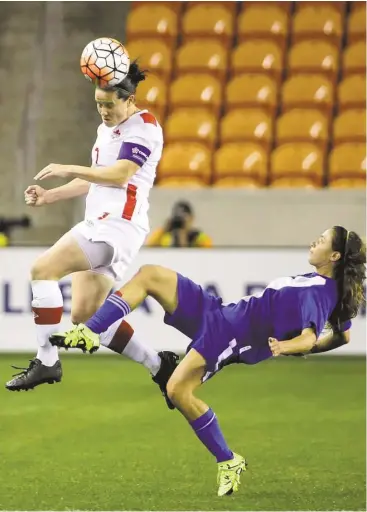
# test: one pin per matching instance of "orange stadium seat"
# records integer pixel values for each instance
(354, 58)
(314, 57)
(348, 183)
(352, 92)
(298, 159)
(208, 20)
(259, 56)
(153, 54)
(254, 125)
(357, 22)
(182, 182)
(174, 6)
(285, 6)
(308, 91)
(350, 126)
(303, 125)
(337, 6)
(236, 183)
(348, 160)
(191, 161)
(207, 55)
(152, 94)
(251, 90)
(157, 21)
(191, 125)
(265, 22)
(298, 182)
(230, 6)
(196, 90)
(318, 21)
(241, 160)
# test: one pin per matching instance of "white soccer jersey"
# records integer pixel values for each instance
(139, 139)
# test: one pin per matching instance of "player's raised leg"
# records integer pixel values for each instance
(89, 291)
(181, 387)
(58, 261)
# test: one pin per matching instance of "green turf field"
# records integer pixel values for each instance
(104, 440)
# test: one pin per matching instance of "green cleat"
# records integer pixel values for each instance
(78, 337)
(229, 473)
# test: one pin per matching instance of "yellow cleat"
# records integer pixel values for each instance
(78, 337)
(229, 473)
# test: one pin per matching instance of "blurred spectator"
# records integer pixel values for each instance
(7, 225)
(179, 231)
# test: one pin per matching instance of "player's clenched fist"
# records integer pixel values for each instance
(35, 196)
(275, 347)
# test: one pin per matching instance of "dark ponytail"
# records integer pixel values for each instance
(130, 83)
(350, 274)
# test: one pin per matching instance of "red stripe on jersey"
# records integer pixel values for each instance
(147, 117)
(130, 202)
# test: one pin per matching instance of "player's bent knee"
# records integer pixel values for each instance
(154, 276)
(41, 271)
(178, 392)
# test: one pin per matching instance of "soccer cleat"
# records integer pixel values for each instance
(229, 473)
(168, 366)
(79, 336)
(36, 374)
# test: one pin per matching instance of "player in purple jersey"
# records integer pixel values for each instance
(286, 318)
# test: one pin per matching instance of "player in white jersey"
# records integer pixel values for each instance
(98, 250)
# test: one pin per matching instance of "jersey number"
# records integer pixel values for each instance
(97, 154)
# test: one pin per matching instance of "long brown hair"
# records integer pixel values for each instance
(350, 275)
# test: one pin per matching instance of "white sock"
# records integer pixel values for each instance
(47, 307)
(135, 349)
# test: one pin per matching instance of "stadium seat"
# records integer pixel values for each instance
(308, 91)
(350, 126)
(152, 21)
(303, 125)
(251, 90)
(285, 6)
(241, 160)
(152, 94)
(298, 182)
(247, 125)
(336, 6)
(357, 23)
(207, 55)
(236, 183)
(154, 55)
(352, 92)
(196, 90)
(185, 160)
(191, 125)
(354, 58)
(314, 21)
(265, 22)
(174, 6)
(348, 183)
(182, 182)
(314, 57)
(259, 56)
(298, 160)
(348, 160)
(230, 6)
(208, 20)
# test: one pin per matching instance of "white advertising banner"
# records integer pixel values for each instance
(230, 273)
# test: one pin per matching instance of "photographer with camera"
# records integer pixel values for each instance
(179, 231)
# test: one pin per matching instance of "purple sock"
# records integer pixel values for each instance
(114, 308)
(208, 431)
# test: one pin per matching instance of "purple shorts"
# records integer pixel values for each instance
(199, 316)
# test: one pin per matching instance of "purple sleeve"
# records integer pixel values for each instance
(345, 326)
(134, 152)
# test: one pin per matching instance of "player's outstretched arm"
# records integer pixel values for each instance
(35, 195)
(331, 341)
(299, 345)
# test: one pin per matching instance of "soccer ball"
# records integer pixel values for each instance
(105, 62)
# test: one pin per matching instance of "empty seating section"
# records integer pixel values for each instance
(253, 94)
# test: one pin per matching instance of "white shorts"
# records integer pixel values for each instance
(124, 237)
